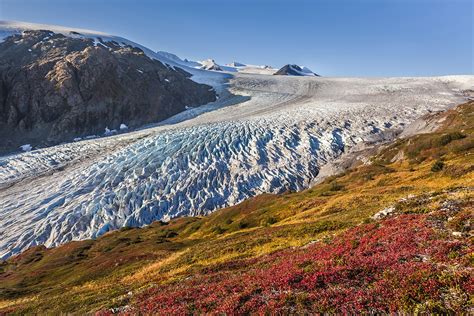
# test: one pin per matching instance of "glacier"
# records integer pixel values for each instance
(264, 134)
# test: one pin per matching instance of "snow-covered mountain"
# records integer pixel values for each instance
(236, 64)
(170, 56)
(8, 28)
(264, 134)
(295, 70)
(210, 64)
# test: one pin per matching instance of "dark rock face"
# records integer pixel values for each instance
(54, 88)
(292, 70)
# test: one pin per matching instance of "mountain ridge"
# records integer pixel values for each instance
(56, 88)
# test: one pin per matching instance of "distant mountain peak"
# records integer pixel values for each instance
(236, 64)
(210, 64)
(295, 70)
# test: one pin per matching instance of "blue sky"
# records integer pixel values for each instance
(332, 37)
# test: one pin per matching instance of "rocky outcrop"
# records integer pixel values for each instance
(54, 88)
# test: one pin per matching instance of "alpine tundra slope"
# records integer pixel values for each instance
(264, 134)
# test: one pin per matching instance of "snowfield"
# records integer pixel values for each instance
(264, 134)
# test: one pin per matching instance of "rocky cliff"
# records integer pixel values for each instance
(54, 88)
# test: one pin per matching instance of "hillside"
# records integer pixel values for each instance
(56, 88)
(390, 234)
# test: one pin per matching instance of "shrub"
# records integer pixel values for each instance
(171, 234)
(464, 146)
(195, 227)
(368, 177)
(437, 166)
(334, 186)
(271, 220)
(243, 224)
(218, 230)
(445, 139)
(137, 240)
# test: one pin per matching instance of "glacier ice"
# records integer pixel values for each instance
(264, 134)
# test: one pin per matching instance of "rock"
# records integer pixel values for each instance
(383, 213)
(71, 87)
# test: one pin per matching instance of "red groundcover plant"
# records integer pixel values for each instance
(398, 264)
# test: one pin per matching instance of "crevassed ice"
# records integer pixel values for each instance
(275, 140)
